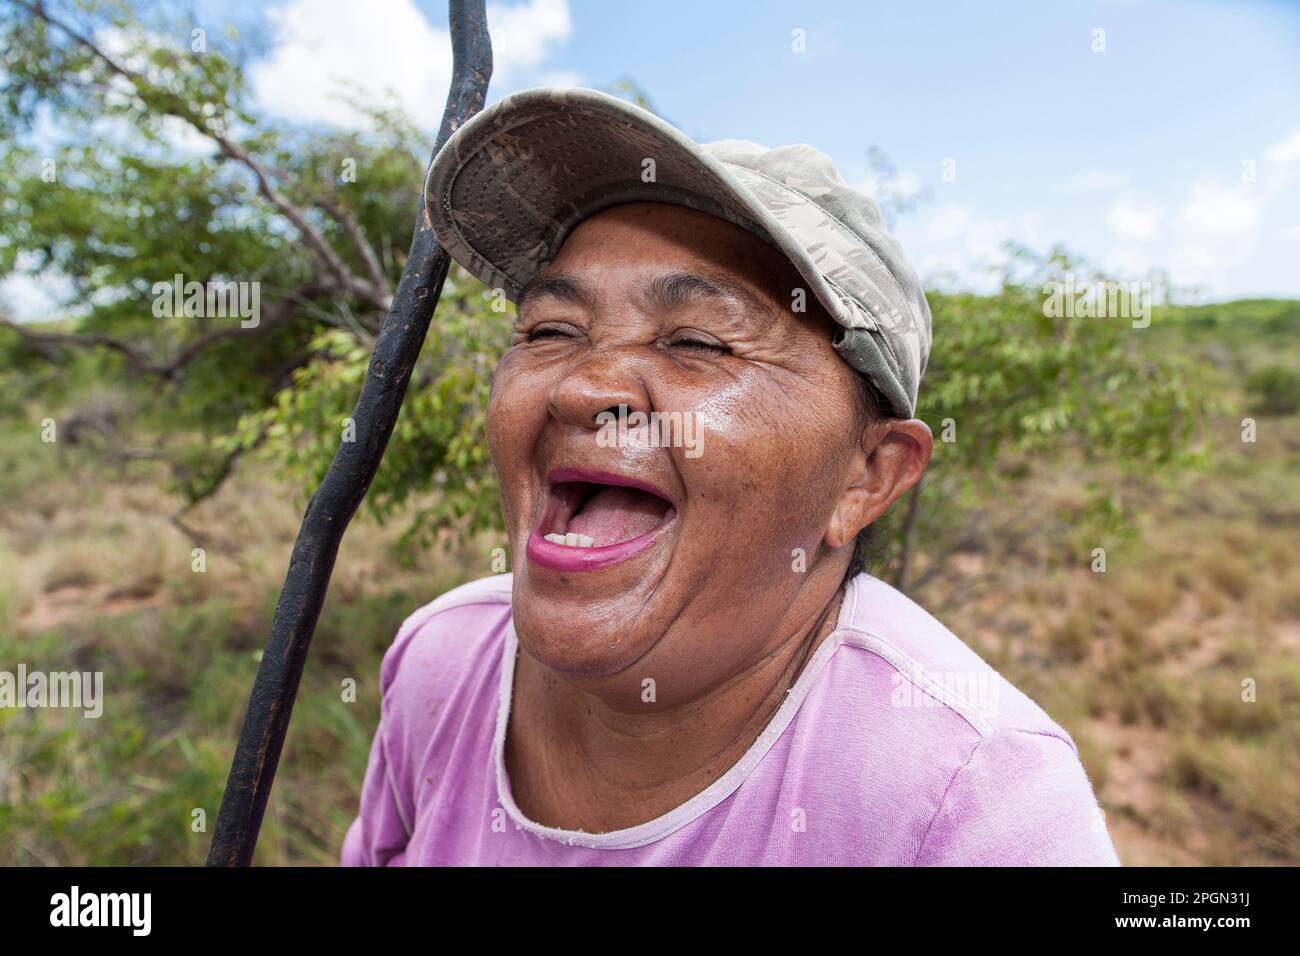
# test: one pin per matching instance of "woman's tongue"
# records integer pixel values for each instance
(616, 514)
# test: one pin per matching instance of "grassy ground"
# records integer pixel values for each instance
(96, 577)
(1143, 664)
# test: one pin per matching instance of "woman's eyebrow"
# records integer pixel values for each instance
(663, 293)
(562, 287)
(677, 289)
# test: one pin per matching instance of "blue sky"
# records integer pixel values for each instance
(1176, 146)
(1132, 156)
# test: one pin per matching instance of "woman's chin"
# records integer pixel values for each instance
(589, 645)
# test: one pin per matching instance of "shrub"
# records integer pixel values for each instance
(1274, 390)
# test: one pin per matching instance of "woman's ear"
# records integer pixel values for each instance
(894, 454)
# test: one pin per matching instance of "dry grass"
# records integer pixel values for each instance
(95, 576)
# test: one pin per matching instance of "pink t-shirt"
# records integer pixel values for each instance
(896, 746)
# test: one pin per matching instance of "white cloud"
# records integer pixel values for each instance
(1286, 151)
(522, 35)
(1225, 238)
(947, 223)
(1213, 209)
(1133, 219)
(1217, 237)
(328, 47)
(953, 246)
(387, 48)
(561, 78)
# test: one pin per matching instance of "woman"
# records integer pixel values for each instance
(687, 666)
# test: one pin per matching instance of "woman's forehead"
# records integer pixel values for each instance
(642, 244)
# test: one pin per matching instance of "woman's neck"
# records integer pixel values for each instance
(575, 762)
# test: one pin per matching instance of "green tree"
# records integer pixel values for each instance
(127, 157)
(1012, 385)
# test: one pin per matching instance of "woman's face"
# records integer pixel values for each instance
(695, 556)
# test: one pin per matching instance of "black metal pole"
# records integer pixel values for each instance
(345, 484)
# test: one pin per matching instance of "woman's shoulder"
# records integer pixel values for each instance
(438, 681)
(450, 639)
(931, 667)
(997, 780)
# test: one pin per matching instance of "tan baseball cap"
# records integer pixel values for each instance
(512, 183)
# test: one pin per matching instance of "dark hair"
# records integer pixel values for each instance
(871, 406)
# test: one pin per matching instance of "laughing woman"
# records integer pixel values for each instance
(688, 665)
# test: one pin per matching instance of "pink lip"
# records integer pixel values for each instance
(563, 558)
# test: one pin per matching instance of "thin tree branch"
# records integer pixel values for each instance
(376, 296)
(170, 368)
(364, 249)
(46, 340)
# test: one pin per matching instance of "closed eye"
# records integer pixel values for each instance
(546, 332)
(700, 345)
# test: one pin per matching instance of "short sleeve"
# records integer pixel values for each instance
(381, 830)
(1022, 799)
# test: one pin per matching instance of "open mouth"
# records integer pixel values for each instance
(593, 519)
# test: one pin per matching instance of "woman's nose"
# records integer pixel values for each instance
(601, 381)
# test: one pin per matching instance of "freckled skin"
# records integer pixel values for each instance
(714, 613)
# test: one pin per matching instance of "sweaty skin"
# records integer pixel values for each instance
(714, 612)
